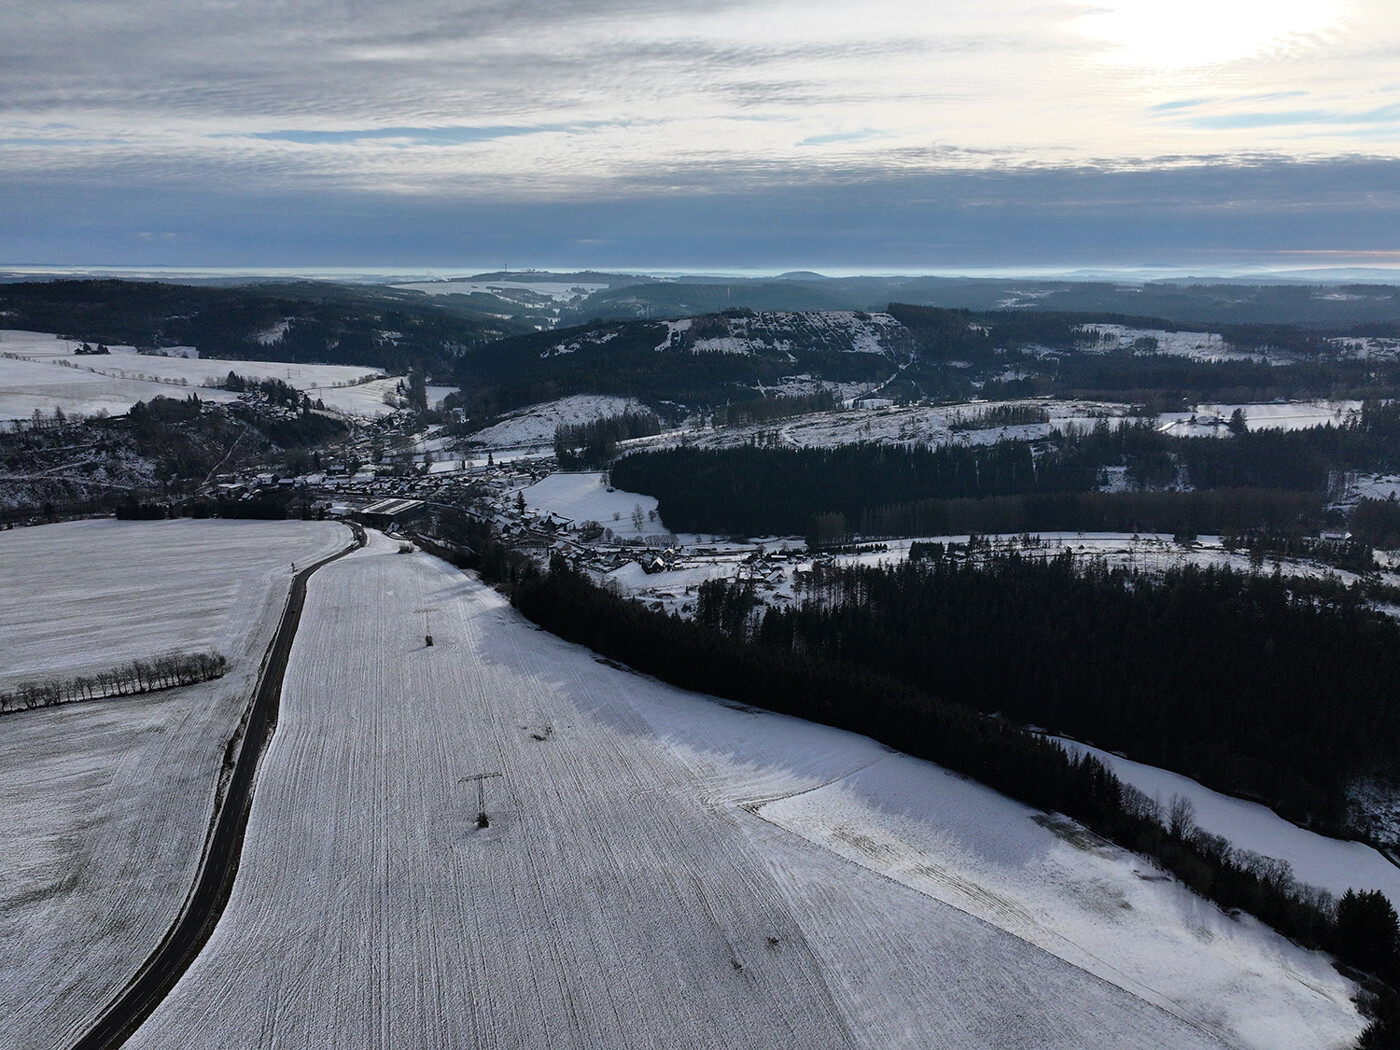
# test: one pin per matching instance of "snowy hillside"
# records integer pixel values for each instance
(664, 870)
(1316, 860)
(779, 334)
(534, 427)
(787, 332)
(39, 371)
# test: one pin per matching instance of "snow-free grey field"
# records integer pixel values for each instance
(106, 803)
(662, 870)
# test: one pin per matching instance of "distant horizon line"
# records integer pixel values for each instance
(390, 274)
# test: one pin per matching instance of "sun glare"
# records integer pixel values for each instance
(1176, 34)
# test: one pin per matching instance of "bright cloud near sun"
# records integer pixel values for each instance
(1176, 34)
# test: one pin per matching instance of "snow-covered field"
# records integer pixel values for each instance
(1371, 486)
(1199, 346)
(106, 804)
(1330, 864)
(44, 386)
(583, 497)
(82, 596)
(1211, 420)
(662, 870)
(40, 371)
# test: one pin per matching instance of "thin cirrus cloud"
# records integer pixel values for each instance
(1389, 115)
(425, 136)
(188, 110)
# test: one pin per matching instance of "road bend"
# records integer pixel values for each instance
(223, 846)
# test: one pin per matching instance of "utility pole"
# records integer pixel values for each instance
(480, 779)
(427, 625)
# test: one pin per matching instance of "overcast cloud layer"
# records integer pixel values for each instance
(890, 133)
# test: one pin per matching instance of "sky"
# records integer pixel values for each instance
(915, 135)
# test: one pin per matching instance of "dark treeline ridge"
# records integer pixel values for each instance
(965, 333)
(1360, 929)
(261, 507)
(1280, 690)
(589, 446)
(1018, 340)
(1187, 514)
(778, 491)
(1164, 382)
(1276, 481)
(139, 676)
(949, 354)
(313, 320)
(784, 406)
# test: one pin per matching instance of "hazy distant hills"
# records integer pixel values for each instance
(1204, 303)
(1295, 300)
(513, 339)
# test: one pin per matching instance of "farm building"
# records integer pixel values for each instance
(387, 513)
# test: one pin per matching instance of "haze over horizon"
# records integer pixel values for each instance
(919, 137)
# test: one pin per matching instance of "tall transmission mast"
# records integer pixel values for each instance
(480, 779)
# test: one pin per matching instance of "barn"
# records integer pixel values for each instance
(387, 514)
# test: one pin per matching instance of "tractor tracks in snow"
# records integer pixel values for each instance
(223, 844)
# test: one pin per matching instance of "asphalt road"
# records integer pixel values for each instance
(202, 908)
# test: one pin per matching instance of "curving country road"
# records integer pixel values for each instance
(219, 865)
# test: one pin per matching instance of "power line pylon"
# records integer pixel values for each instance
(480, 779)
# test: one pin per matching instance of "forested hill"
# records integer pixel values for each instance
(700, 361)
(1257, 685)
(902, 351)
(305, 321)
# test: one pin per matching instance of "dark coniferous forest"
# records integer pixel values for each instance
(1267, 480)
(1248, 682)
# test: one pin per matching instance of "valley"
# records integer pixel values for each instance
(800, 884)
